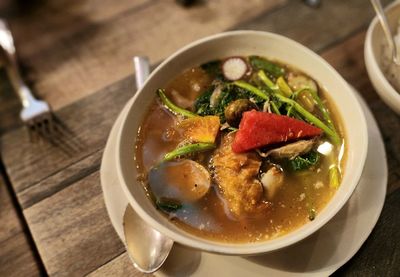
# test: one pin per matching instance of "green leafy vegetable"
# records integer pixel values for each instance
(268, 66)
(202, 104)
(267, 81)
(323, 109)
(310, 118)
(213, 68)
(305, 161)
(172, 107)
(284, 87)
(256, 91)
(188, 149)
(294, 105)
(229, 93)
(168, 205)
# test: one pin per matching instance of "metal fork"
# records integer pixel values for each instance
(36, 114)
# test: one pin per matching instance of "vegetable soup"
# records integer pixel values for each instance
(241, 149)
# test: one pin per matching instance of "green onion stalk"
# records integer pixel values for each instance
(172, 107)
(258, 92)
(268, 82)
(188, 149)
(331, 132)
(311, 118)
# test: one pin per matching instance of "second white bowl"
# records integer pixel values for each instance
(373, 57)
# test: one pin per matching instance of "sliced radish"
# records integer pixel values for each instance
(234, 68)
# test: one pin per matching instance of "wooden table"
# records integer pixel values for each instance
(77, 56)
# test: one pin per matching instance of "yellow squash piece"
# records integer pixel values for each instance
(200, 128)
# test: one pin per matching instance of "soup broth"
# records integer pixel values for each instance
(215, 211)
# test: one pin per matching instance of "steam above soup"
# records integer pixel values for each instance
(241, 149)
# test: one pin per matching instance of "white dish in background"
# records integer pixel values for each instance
(373, 55)
(319, 255)
(242, 43)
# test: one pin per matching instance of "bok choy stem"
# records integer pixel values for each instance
(172, 107)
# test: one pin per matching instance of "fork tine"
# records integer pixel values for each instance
(50, 123)
(33, 131)
(46, 127)
(63, 131)
(42, 126)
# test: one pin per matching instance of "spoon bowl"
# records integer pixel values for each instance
(147, 248)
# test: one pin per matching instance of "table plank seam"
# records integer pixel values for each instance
(22, 220)
(361, 29)
(66, 183)
(62, 169)
(275, 9)
(107, 262)
(90, 28)
(33, 194)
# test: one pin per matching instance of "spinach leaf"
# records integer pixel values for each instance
(229, 93)
(213, 68)
(305, 161)
(168, 205)
(202, 104)
(269, 67)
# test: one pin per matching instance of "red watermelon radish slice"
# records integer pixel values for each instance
(258, 129)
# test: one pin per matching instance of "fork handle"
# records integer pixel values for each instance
(7, 44)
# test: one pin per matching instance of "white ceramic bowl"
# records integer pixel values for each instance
(233, 44)
(372, 56)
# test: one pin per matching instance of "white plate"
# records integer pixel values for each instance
(318, 255)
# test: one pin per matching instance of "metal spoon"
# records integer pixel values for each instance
(313, 3)
(147, 248)
(386, 29)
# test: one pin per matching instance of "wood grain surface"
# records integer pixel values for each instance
(74, 230)
(16, 256)
(96, 49)
(84, 54)
(118, 267)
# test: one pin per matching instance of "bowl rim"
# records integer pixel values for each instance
(268, 245)
(388, 94)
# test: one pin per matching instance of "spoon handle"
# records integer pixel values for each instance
(386, 29)
(142, 70)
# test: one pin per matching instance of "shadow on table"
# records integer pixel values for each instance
(15, 7)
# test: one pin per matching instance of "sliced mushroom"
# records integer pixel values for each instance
(215, 96)
(272, 180)
(299, 81)
(291, 150)
(235, 109)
